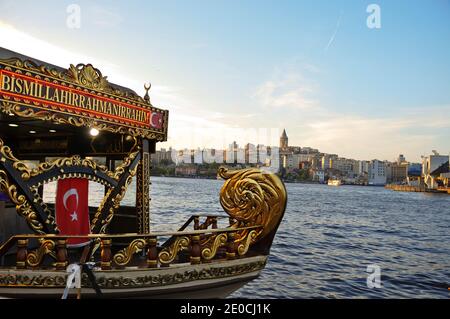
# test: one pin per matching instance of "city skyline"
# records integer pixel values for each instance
(243, 145)
(333, 82)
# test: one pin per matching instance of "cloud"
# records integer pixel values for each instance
(187, 115)
(291, 99)
(366, 138)
(287, 90)
(104, 17)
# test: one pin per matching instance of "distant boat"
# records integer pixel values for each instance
(334, 182)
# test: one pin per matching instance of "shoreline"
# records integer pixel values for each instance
(284, 181)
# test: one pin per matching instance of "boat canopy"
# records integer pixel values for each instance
(64, 120)
(78, 96)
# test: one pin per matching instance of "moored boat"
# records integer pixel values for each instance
(77, 127)
(334, 182)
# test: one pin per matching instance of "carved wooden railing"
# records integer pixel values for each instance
(186, 247)
(196, 220)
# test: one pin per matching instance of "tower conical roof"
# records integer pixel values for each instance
(284, 135)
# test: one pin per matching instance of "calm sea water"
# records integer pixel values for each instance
(328, 237)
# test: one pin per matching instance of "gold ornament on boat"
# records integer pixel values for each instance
(23, 207)
(34, 258)
(123, 257)
(209, 253)
(88, 76)
(242, 249)
(167, 255)
(253, 197)
(115, 201)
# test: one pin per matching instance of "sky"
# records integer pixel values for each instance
(245, 70)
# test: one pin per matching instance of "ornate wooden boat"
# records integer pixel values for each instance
(73, 125)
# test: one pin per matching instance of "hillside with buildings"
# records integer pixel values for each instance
(303, 164)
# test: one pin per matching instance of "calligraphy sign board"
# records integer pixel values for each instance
(78, 96)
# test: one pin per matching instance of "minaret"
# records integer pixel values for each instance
(284, 140)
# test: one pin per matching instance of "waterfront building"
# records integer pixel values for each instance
(309, 150)
(251, 156)
(316, 161)
(213, 156)
(318, 175)
(432, 167)
(240, 156)
(364, 167)
(305, 157)
(377, 172)
(401, 159)
(343, 165)
(327, 160)
(357, 168)
(182, 156)
(230, 154)
(162, 155)
(186, 170)
(198, 156)
(398, 172)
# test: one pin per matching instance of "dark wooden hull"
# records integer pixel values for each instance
(214, 280)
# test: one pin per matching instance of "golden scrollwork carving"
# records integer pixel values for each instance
(253, 197)
(90, 77)
(34, 258)
(243, 247)
(75, 160)
(167, 255)
(51, 220)
(115, 204)
(209, 252)
(125, 164)
(6, 152)
(123, 257)
(23, 207)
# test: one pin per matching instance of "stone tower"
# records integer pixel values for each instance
(284, 140)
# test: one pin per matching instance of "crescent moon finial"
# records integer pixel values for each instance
(147, 87)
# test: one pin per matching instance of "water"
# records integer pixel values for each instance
(328, 237)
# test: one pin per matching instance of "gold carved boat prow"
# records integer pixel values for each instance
(253, 197)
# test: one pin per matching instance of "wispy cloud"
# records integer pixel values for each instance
(295, 91)
(104, 16)
(365, 137)
(287, 90)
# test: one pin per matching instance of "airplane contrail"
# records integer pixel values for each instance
(338, 24)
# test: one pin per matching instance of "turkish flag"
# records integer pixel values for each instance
(72, 210)
(156, 120)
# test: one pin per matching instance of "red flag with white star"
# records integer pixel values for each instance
(72, 209)
(156, 120)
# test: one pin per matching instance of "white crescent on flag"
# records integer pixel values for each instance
(70, 192)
